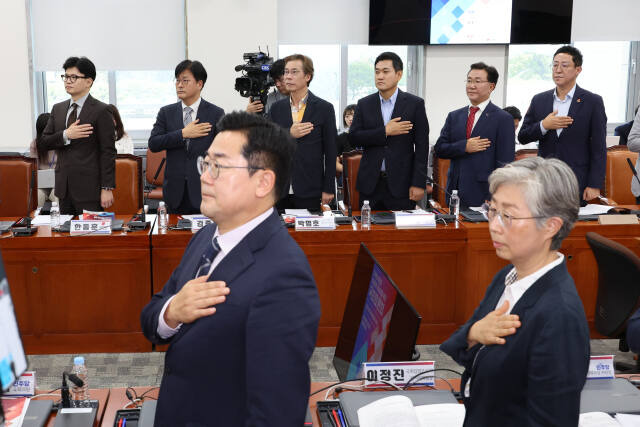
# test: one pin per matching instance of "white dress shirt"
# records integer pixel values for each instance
(561, 105)
(386, 109)
(80, 102)
(227, 242)
(514, 292)
(194, 107)
(481, 107)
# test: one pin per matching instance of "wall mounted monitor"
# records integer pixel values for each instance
(468, 22)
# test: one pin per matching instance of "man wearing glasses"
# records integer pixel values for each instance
(478, 139)
(570, 124)
(82, 132)
(312, 121)
(185, 130)
(241, 311)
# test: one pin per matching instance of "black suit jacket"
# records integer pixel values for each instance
(405, 155)
(623, 131)
(181, 162)
(87, 164)
(469, 172)
(314, 164)
(232, 368)
(536, 377)
(582, 145)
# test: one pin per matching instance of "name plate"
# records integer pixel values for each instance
(310, 223)
(601, 367)
(198, 222)
(25, 385)
(398, 373)
(415, 220)
(618, 219)
(89, 227)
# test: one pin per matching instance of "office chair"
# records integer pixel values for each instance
(618, 291)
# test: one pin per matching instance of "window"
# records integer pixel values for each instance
(137, 94)
(326, 69)
(56, 93)
(605, 71)
(360, 74)
(529, 73)
(140, 94)
(345, 73)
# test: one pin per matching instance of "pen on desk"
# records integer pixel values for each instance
(335, 417)
(342, 420)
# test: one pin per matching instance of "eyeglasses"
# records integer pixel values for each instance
(563, 65)
(183, 81)
(71, 77)
(293, 72)
(214, 167)
(470, 82)
(504, 218)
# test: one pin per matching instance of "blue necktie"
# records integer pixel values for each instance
(207, 258)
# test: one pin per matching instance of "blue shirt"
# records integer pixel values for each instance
(386, 108)
(562, 106)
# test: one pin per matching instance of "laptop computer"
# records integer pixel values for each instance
(610, 396)
(46, 178)
(354, 400)
(38, 413)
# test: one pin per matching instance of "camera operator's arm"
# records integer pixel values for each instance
(255, 106)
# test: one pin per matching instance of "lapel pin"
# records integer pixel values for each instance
(579, 100)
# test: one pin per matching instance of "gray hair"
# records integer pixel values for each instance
(550, 189)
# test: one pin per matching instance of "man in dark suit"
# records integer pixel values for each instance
(241, 310)
(392, 127)
(570, 123)
(312, 121)
(623, 130)
(478, 138)
(82, 132)
(185, 130)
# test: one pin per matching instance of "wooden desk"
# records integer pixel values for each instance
(79, 294)
(424, 263)
(482, 263)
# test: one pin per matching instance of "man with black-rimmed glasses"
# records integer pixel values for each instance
(82, 132)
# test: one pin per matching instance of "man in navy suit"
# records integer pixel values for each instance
(185, 130)
(570, 123)
(392, 127)
(312, 121)
(478, 138)
(241, 310)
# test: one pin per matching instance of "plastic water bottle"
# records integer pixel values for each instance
(365, 216)
(55, 216)
(454, 204)
(80, 393)
(162, 216)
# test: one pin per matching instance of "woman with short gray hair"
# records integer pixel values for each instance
(526, 348)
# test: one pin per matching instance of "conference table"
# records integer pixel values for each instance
(84, 294)
(79, 294)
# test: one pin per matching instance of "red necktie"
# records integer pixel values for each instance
(471, 119)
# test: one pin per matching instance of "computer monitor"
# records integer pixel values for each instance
(13, 361)
(379, 324)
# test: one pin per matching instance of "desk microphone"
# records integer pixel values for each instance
(31, 185)
(633, 169)
(64, 393)
(153, 184)
(432, 182)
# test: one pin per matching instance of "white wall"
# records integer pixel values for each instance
(219, 32)
(16, 108)
(446, 71)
